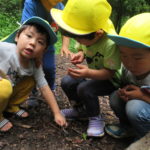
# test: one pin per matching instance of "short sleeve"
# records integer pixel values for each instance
(59, 6)
(112, 56)
(40, 77)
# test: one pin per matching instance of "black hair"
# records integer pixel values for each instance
(89, 36)
(39, 29)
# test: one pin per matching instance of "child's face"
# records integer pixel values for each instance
(86, 42)
(30, 43)
(136, 60)
(54, 2)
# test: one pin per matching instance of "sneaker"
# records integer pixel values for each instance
(119, 132)
(70, 113)
(95, 127)
(33, 100)
(73, 114)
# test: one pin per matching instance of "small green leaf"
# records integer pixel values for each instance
(84, 136)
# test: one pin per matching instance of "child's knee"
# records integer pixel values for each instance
(135, 110)
(115, 101)
(24, 86)
(83, 90)
(66, 82)
(27, 82)
(5, 89)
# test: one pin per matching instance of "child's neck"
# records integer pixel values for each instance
(46, 4)
(24, 62)
(96, 40)
(142, 76)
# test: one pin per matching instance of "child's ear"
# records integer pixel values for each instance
(16, 37)
(100, 33)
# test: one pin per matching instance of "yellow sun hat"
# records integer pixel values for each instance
(84, 16)
(135, 32)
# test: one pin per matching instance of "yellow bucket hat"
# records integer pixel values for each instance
(84, 16)
(135, 32)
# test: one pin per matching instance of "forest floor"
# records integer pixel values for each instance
(39, 131)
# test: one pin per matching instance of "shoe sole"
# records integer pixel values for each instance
(76, 118)
(115, 136)
(96, 136)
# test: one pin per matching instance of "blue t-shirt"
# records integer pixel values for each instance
(35, 8)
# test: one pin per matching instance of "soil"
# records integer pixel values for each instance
(39, 131)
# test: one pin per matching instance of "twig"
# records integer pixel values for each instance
(23, 125)
(78, 132)
(62, 129)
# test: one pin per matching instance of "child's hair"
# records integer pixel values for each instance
(39, 29)
(89, 36)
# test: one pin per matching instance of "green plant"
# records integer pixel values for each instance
(59, 43)
(10, 14)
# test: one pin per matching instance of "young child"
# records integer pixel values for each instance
(18, 62)
(41, 9)
(87, 21)
(131, 103)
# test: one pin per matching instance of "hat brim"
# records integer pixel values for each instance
(124, 41)
(37, 20)
(57, 16)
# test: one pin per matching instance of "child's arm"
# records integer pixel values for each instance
(82, 71)
(49, 97)
(65, 47)
(134, 92)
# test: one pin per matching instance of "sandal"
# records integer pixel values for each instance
(3, 123)
(20, 112)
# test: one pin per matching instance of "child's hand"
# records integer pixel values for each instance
(121, 94)
(65, 51)
(60, 120)
(130, 92)
(77, 58)
(81, 71)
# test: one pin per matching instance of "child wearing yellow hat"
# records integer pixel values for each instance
(131, 103)
(19, 71)
(87, 21)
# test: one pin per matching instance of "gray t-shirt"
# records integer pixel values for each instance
(128, 78)
(9, 64)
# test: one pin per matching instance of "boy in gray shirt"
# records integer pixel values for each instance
(21, 62)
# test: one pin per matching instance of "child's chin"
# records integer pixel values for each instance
(27, 57)
(139, 75)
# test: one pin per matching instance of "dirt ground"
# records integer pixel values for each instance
(39, 131)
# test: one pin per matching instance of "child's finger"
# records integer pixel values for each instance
(73, 74)
(75, 71)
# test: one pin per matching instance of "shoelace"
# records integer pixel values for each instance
(70, 112)
(96, 122)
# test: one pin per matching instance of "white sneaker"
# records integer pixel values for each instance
(96, 127)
